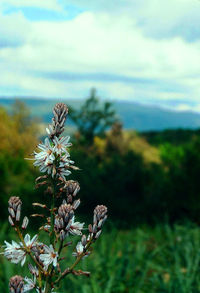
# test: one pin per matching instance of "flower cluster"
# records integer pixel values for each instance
(16, 252)
(53, 159)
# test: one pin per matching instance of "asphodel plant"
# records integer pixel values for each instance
(59, 222)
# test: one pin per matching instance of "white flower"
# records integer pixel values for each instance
(79, 249)
(60, 145)
(45, 167)
(33, 270)
(50, 256)
(76, 227)
(30, 284)
(46, 151)
(15, 253)
(30, 243)
(65, 161)
(63, 173)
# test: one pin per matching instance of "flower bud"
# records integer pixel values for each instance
(16, 284)
(84, 240)
(100, 212)
(25, 223)
(76, 204)
(14, 209)
(99, 218)
(60, 112)
(72, 187)
(98, 234)
(63, 220)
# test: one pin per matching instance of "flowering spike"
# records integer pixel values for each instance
(53, 159)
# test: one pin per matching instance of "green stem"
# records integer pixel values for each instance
(52, 237)
(47, 288)
(60, 247)
(68, 271)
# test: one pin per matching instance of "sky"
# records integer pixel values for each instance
(145, 51)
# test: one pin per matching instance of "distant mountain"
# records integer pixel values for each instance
(133, 115)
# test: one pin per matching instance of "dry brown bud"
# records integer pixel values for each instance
(80, 272)
(16, 284)
(90, 228)
(40, 184)
(49, 191)
(37, 204)
(38, 215)
(41, 178)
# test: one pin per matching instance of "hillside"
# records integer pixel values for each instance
(134, 116)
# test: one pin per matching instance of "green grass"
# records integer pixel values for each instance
(144, 260)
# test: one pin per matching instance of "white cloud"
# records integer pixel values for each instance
(46, 4)
(186, 107)
(13, 30)
(98, 42)
(159, 19)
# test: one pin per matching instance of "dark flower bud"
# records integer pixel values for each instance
(16, 284)
(72, 187)
(90, 228)
(63, 220)
(100, 212)
(64, 210)
(100, 216)
(60, 112)
(14, 209)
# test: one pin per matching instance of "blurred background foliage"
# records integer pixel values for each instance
(148, 180)
(142, 177)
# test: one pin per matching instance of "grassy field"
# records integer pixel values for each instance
(144, 260)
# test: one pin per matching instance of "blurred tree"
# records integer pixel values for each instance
(18, 130)
(18, 138)
(93, 118)
(122, 141)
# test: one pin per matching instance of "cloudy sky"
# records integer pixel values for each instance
(145, 51)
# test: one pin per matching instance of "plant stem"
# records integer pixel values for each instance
(52, 236)
(68, 271)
